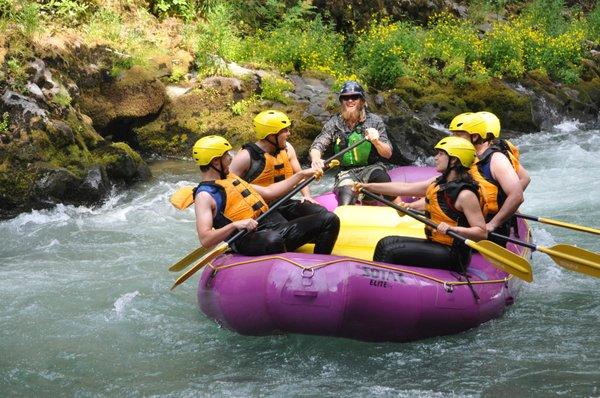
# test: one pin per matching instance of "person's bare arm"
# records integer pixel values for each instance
(504, 173)
(524, 178)
(240, 163)
(468, 203)
(274, 191)
(398, 188)
(292, 156)
(205, 206)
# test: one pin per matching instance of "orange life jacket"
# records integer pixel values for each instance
(266, 169)
(494, 196)
(238, 200)
(439, 207)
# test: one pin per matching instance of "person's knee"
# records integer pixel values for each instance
(379, 175)
(330, 220)
(345, 195)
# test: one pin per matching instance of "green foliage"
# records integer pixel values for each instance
(62, 98)
(503, 52)
(104, 24)
(217, 39)
(547, 16)
(451, 44)
(4, 122)
(240, 107)
(177, 74)
(7, 9)
(29, 18)
(183, 8)
(384, 52)
(593, 22)
(16, 73)
(120, 65)
(68, 12)
(273, 89)
(258, 14)
(298, 45)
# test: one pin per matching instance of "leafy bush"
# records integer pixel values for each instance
(593, 20)
(383, 52)
(4, 122)
(68, 12)
(451, 44)
(503, 51)
(298, 45)
(217, 38)
(273, 89)
(547, 16)
(183, 8)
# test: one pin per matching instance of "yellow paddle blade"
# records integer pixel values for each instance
(211, 255)
(503, 258)
(182, 198)
(574, 258)
(568, 225)
(187, 260)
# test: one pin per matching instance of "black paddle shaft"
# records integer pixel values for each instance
(294, 191)
(513, 240)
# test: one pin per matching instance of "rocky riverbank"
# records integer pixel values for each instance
(74, 123)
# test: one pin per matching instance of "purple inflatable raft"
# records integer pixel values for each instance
(347, 295)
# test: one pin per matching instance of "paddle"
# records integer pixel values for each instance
(495, 254)
(567, 256)
(559, 223)
(192, 256)
(222, 247)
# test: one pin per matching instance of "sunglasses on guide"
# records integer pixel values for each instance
(354, 97)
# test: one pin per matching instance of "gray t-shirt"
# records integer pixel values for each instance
(336, 127)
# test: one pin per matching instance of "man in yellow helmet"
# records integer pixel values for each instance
(351, 124)
(225, 203)
(452, 200)
(272, 159)
(494, 170)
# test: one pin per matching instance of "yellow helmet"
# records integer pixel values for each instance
(458, 147)
(270, 122)
(209, 147)
(472, 123)
(492, 123)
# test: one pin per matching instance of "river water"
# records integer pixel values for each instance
(85, 308)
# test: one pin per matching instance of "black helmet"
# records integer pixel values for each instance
(351, 88)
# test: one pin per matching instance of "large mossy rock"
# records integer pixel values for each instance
(209, 108)
(51, 153)
(120, 103)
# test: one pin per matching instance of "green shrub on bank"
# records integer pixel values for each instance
(298, 45)
(593, 23)
(218, 39)
(385, 51)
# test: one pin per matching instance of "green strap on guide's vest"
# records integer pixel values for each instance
(359, 156)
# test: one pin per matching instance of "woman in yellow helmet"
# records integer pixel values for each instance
(451, 200)
(494, 170)
(224, 203)
(272, 159)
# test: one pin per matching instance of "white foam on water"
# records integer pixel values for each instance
(568, 125)
(440, 127)
(123, 302)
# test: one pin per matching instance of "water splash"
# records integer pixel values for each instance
(123, 302)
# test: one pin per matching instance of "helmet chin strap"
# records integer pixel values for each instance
(220, 171)
(275, 144)
(449, 168)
